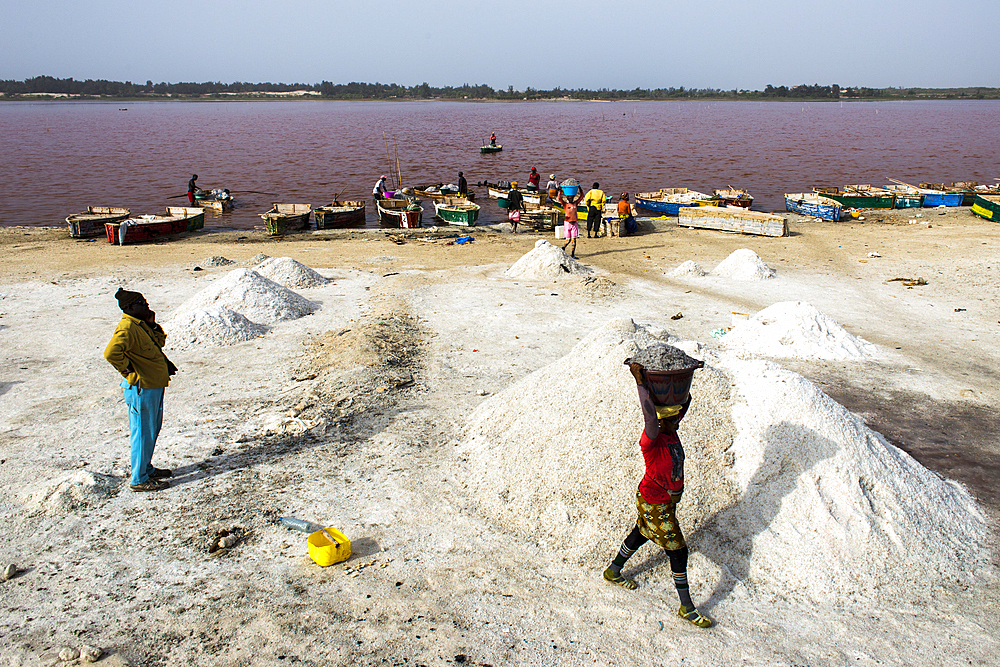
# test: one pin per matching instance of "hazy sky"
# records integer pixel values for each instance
(698, 44)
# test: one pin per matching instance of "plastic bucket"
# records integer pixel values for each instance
(329, 546)
(670, 387)
(570, 190)
(560, 232)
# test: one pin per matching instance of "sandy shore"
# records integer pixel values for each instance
(313, 421)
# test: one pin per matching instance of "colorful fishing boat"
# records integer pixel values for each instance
(817, 206)
(733, 197)
(195, 215)
(91, 223)
(441, 192)
(491, 148)
(905, 197)
(966, 188)
(849, 198)
(987, 206)
(148, 227)
(399, 213)
(529, 196)
(284, 218)
(454, 213)
(670, 200)
(340, 214)
(217, 199)
(933, 197)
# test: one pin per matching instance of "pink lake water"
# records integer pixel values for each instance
(60, 157)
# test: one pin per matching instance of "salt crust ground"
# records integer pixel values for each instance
(795, 329)
(456, 579)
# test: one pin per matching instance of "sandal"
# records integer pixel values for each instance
(620, 580)
(694, 617)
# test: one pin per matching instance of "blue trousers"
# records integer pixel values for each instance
(145, 416)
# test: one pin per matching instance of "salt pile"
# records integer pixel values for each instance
(286, 271)
(795, 329)
(77, 490)
(788, 493)
(216, 326)
(662, 357)
(545, 261)
(215, 260)
(688, 268)
(252, 295)
(256, 259)
(743, 264)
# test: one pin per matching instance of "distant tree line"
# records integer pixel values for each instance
(381, 91)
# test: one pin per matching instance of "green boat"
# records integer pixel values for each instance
(857, 199)
(461, 214)
(987, 206)
(491, 148)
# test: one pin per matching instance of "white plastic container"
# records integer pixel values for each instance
(560, 232)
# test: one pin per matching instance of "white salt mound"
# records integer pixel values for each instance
(743, 264)
(252, 295)
(546, 261)
(795, 329)
(77, 490)
(290, 273)
(215, 326)
(787, 494)
(688, 268)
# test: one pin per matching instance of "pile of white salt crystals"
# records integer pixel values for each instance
(795, 329)
(546, 261)
(289, 273)
(234, 308)
(787, 492)
(743, 264)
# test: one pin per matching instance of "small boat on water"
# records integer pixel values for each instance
(147, 227)
(932, 197)
(400, 213)
(441, 192)
(670, 200)
(733, 197)
(91, 222)
(284, 218)
(491, 148)
(457, 213)
(850, 198)
(341, 214)
(987, 206)
(529, 196)
(217, 199)
(817, 206)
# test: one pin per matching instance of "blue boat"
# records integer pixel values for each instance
(670, 201)
(932, 198)
(812, 204)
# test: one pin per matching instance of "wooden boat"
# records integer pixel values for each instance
(905, 197)
(732, 219)
(341, 214)
(464, 215)
(399, 213)
(529, 196)
(491, 149)
(147, 227)
(966, 188)
(195, 215)
(987, 206)
(733, 197)
(670, 200)
(849, 198)
(932, 197)
(284, 218)
(218, 199)
(91, 223)
(440, 192)
(818, 206)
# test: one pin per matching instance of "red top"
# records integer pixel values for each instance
(533, 178)
(664, 456)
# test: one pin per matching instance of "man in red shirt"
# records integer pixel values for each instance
(657, 497)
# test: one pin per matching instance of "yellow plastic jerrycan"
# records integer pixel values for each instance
(329, 546)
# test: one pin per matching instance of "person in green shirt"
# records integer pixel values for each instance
(595, 208)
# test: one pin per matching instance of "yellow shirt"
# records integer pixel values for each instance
(595, 199)
(137, 344)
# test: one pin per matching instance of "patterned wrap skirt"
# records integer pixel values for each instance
(658, 523)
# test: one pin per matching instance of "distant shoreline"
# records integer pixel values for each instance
(62, 97)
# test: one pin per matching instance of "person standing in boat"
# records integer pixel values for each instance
(463, 185)
(657, 497)
(493, 139)
(595, 209)
(378, 192)
(192, 188)
(552, 187)
(533, 178)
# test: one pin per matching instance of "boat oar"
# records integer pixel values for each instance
(256, 192)
(178, 196)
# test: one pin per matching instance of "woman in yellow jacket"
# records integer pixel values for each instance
(136, 351)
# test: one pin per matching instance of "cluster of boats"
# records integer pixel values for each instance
(832, 203)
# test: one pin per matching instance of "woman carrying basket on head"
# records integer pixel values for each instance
(658, 494)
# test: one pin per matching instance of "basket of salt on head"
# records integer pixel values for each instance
(668, 373)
